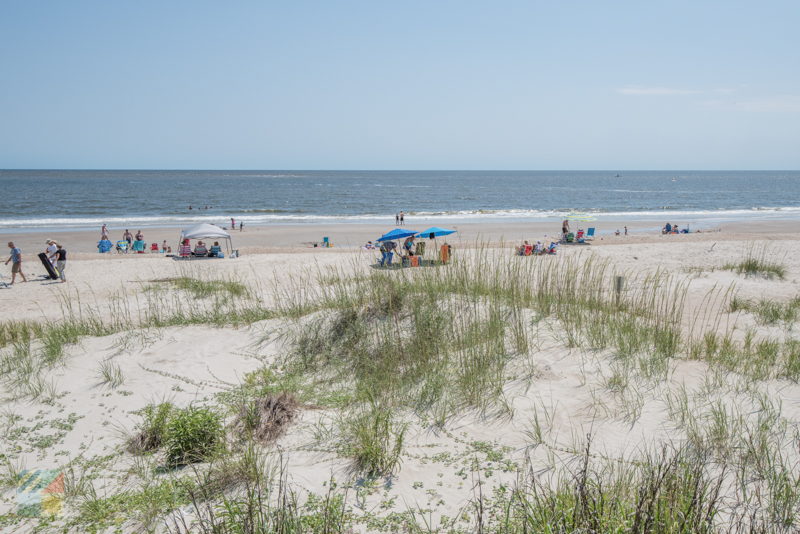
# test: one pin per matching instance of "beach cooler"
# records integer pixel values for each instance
(414, 261)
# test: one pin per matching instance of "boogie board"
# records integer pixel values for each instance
(52, 272)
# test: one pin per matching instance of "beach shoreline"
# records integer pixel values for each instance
(301, 237)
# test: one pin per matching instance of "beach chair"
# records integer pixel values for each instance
(528, 250)
(122, 247)
(139, 246)
(589, 234)
(154, 248)
(570, 237)
(420, 248)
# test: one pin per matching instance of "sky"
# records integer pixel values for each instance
(400, 85)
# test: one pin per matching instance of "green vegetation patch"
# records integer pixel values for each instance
(188, 435)
(757, 263)
(207, 288)
(768, 312)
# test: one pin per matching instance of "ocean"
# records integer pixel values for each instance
(67, 199)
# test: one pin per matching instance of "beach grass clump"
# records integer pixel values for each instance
(207, 288)
(265, 502)
(142, 508)
(768, 312)
(373, 438)
(193, 434)
(670, 493)
(759, 359)
(757, 262)
(110, 373)
(266, 419)
(151, 433)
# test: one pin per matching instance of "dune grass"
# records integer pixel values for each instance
(758, 262)
(434, 343)
(768, 312)
(111, 374)
(206, 288)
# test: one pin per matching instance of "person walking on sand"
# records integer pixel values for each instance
(397, 219)
(626, 230)
(402, 219)
(233, 224)
(16, 263)
(60, 257)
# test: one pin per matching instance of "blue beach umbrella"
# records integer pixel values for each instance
(397, 233)
(436, 231)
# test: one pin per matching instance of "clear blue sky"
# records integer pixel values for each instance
(400, 85)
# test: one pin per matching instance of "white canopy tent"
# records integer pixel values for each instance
(207, 231)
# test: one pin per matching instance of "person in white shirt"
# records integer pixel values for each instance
(51, 249)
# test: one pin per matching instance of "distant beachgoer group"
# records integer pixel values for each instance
(400, 219)
(674, 229)
(539, 249)
(200, 249)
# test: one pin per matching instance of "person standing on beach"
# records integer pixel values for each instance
(104, 232)
(16, 263)
(60, 257)
(565, 227)
(241, 226)
(397, 219)
(50, 251)
(402, 219)
(127, 237)
(233, 224)
(626, 230)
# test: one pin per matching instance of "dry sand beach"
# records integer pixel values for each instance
(495, 393)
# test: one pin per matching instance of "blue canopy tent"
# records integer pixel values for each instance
(436, 231)
(397, 233)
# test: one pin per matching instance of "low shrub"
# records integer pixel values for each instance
(193, 435)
